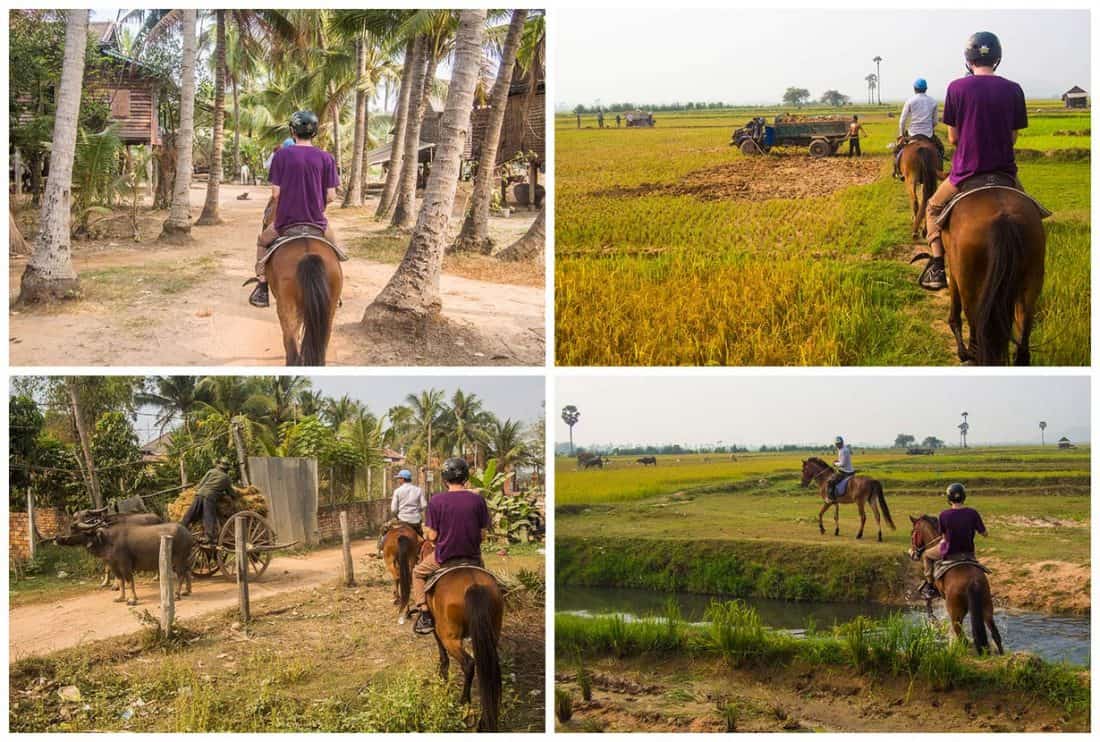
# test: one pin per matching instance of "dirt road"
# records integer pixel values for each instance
(41, 628)
(150, 304)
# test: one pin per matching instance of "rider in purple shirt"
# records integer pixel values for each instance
(303, 182)
(958, 526)
(457, 521)
(983, 114)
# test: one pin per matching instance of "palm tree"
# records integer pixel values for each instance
(475, 230)
(872, 81)
(425, 411)
(571, 415)
(964, 428)
(49, 274)
(405, 193)
(466, 424)
(336, 412)
(532, 244)
(177, 227)
(310, 402)
(507, 444)
(284, 393)
(174, 396)
(1043, 431)
(386, 199)
(878, 77)
(412, 293)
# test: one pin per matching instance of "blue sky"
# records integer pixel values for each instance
(866, 410)
(752, 56)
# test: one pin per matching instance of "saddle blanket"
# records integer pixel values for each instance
(944, 566)
(991, 181)
(842, 485)
(451, 567)
(297, 232)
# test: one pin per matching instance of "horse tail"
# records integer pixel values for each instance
(479, 619)
(316, 309)
(881, 496)
(977, 616)
(927, 172)
(406, 555)
(1003, 282)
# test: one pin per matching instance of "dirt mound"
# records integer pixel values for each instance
(246, 498)
(763, 179)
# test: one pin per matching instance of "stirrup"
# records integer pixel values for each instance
(425, 624)
(929, 265)
(259, 297)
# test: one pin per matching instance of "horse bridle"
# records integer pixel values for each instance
(918, 552)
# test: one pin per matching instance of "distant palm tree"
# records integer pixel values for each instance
(507, 444)
(467, 421)
(336, 412)
(1043, 431)
(425, 412)
(872, 82)
(571, 415)
(878, 77)
(174, 396)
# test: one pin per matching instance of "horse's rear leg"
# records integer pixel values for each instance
(468, 673)
(954, 321)
(444, 660)
(914, 205)
(878, 519)
(291, 325)
(836, 518)
(996, 635)
(862, 517)
(1025, 316)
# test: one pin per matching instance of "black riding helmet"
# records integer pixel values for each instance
(956, 493)
(455, 471)
(983, 49)
(304, 124)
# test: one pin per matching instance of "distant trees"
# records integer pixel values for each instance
(835, 98)
(582, 109)
(872, 85)
(796, 97)
(904, 440)
(571, 416)
(1043, 431)
(932, 442)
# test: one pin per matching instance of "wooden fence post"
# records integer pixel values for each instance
(30, 523)
(242, 570)
(345, 536)
(167, 593)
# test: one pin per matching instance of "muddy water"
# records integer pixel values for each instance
(1054, 638)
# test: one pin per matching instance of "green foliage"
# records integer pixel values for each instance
(563, 704)
(117, 456)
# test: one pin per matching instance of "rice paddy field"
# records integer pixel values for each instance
(673, 248)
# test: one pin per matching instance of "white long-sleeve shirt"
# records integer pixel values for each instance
(408, 502)
(844, 458)
(918, 115)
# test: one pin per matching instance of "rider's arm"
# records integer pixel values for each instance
(901, 119)
(981, 526)
(953, 135)
(430, 533)
(274, 193)
(330, 196)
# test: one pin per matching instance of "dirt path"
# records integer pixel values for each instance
(150, 304)
(45, 627)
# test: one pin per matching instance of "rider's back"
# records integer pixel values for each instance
(303, 175)
(985, 110)
(458, 517)
(958, 526)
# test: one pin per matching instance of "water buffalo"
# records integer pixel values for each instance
(129, 548)
(587, 460)
(89, 518)
(647, 460)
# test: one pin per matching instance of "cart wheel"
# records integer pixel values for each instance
(750, 147)
(204, 561)
(819, 148)
(257, 532)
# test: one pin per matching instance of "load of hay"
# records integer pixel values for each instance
(244, 498)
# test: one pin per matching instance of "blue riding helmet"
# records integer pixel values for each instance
(920, 85)
(404, 474)
(288, 142)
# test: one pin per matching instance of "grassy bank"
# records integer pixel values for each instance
(895, 648)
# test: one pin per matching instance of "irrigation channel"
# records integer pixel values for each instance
(1054, 638)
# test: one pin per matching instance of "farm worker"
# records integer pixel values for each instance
(406, 507)
(918, 119)
(843, 466)
(578, 121)
(855, 129)
(457, 522)
(599, 118)
(983, 113)
(303, 182)
(212, 486)
(958, 524)
(618, 121)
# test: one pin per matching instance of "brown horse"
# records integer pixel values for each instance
(861, 490)
(306, 280)
(400, 549)
(920, 166)
(996, 248)
(468, 602)
(965, 588)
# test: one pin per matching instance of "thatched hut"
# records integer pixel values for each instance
(1076, 97)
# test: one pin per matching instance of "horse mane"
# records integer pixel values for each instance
(933, 522)
(817, 460)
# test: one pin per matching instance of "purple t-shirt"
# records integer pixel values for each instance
(458, 517)
(303, 174)
(958, 526)
(985, 110)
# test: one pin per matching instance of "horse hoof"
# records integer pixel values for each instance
(131, 602)
(401, 621)
(859, 535)
(119, 600)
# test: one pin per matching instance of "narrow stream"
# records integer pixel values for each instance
(1054, 638)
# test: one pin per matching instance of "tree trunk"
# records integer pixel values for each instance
(85, 443)
(475, 230)
(237, 132)
(49, 274)
(16, 243)
(412, 294)
(400, 120)
(210, 208)
(404, 210)
(532, 244)
(177, 227)
(354, 194)
(336, 139)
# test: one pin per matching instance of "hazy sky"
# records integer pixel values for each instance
(866, 410)
(752, 56)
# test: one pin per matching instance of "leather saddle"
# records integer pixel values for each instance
(299, 232)
(987, 182)
(454, 565)
(944, 566)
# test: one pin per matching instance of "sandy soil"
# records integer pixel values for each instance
(128, 319)
(684, 695)
(1049, 586)
(764, 178)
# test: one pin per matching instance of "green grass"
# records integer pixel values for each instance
(165, 278)
(757, 283)
(893, 646)
(40, 580)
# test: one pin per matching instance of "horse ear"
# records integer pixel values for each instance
(913, 520)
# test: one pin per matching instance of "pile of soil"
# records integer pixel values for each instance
(764, 179)
(245, 498)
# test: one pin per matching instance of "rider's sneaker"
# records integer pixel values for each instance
(934, 276)
(425, 624)
(259, 297)
(928, 591)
